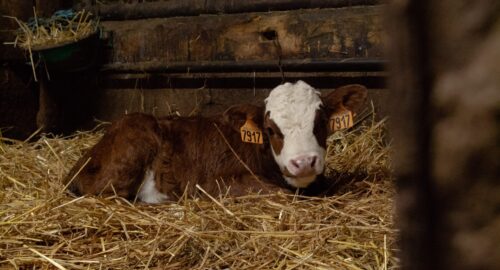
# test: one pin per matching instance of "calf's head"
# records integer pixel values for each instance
(295, 120)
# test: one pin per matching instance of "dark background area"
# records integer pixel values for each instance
(190, 57)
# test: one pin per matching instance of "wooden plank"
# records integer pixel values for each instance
(114, 103)
(292, 65)
(210, 93)
(349, 35)
(120, 10)
(239, 80)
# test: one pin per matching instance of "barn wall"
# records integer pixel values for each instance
(207, 94)
(224, 52)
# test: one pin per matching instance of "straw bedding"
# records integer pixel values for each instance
(43, 227)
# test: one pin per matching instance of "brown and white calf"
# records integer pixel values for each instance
(157, 159)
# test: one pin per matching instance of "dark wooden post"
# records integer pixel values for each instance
(18, 96)
(411, 85)
(445, 88)
(48, 109)
(49, 114)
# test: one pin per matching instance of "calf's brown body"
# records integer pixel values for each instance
(182, 152)
(175, 154)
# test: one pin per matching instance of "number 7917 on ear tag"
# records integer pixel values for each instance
(251, 133)
(341, 120)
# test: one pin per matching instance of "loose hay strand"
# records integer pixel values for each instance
(214, 200)
(353, 229)
(235, 154)
(51, 261)
(75, 175)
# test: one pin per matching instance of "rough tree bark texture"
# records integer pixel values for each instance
(446, 123)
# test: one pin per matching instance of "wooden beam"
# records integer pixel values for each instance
(376, 64)
(268, 80)
(293, 38)
(118, 10)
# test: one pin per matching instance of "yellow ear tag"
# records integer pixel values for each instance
(342, 119)
(251, 133)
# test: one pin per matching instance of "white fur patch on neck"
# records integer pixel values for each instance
(293, 109)
(148, 192)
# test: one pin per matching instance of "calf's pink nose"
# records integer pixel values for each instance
(302, 165)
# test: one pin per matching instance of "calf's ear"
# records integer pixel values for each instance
(237, 115)
(351, 97)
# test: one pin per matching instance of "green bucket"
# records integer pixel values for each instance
(72, 57)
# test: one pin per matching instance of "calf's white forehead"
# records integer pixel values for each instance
(293, 107)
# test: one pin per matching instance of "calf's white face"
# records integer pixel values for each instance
(296, 122)
(290, 115)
